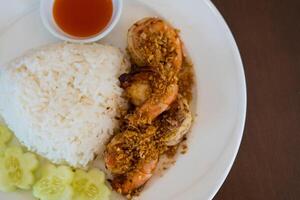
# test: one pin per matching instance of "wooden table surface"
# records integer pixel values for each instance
(268, 163)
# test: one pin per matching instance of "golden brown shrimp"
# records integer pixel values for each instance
(127, 183)
(176, 122)
(137, 85)
(155, 105)
(143, 90)
(117, 159)
(133, 154)
(131, 157)
(154, 43)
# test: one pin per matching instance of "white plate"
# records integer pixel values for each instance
(220, 98)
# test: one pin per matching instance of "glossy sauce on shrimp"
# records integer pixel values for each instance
(160, 115)
(154, 43)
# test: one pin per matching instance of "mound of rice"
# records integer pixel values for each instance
(61, 100)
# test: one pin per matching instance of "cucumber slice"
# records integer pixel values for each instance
(5, 135)
(105, 192)
(55, 183)
(2, 150)
(16, 169)
(90, 185)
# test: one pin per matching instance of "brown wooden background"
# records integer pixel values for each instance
(268, 35)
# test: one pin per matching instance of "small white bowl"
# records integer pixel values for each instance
(46, 12)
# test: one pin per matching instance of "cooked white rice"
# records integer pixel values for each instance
(61, 100)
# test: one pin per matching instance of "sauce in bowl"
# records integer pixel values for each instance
(82, 18)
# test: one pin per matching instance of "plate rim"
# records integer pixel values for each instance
(243, 89)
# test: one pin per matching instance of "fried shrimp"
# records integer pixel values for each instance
(136, 178)
(118, 156)
(155, 105)
(154, 43)
(149, 93)
(131, 157)
(160, 116)
(176, 122)
(137, 85)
